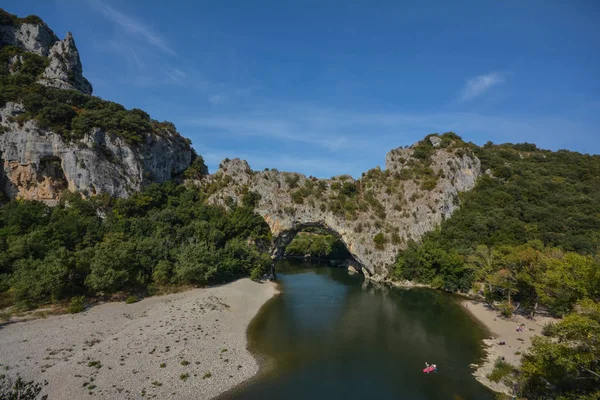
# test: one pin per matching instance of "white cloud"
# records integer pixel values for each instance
(477, 86)
(132, 26)
(126, 51)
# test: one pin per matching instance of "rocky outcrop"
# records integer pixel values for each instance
(374, 216)
(39, 164)
(37, 38)
(64, 70)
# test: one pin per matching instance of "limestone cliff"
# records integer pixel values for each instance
(39, 164)
(41, 151)
(31, 34)
(374, 216)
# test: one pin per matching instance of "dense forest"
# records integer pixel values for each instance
(527, 237)
(163, 235)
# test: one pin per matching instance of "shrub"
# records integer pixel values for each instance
(95, 364)
(429, 184)
(379, 241)
(162, 272)
(250, 198)
(76, 305)
(20, 389)
(501, 370)
(131, 299)
(506, 310)
(297, 197)
(292, 180)
(197, 168)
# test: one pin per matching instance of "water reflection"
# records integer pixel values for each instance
(330, 334)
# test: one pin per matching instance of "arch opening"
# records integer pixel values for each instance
(316, 247)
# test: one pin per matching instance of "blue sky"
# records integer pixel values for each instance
(328, 87)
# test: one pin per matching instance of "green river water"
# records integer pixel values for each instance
(333, 335)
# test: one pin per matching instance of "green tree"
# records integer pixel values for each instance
(566, 364)
(114, 265)
(566, 279)
(483, 262)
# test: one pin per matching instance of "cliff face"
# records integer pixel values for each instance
(64, 70)
(375, 216)
(39, 163)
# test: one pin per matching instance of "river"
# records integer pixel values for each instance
(333, 335)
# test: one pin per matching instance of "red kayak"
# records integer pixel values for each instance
(428, 370)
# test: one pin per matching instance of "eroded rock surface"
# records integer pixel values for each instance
(39, 164)
(64, 70)
(374, 216)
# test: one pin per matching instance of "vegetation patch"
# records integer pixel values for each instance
(76, 305)
(317, 243)
(501, 371)
(164, 235)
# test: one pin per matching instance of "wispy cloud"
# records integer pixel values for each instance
(128, 52)
(334, 141)
(270, 126)
(132, 26)
(175, 74)
(477, 86)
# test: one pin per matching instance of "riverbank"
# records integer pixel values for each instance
(505, 330)
(181, 346)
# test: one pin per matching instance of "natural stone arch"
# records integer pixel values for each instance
(395, 202)
(284, 238)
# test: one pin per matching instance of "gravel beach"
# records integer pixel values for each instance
(189, 345)
(503, 329)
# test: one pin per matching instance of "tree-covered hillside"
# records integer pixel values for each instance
(164, 235)
(528, 237)
(552, 198)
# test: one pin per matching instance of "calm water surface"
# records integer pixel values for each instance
(332, 335)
